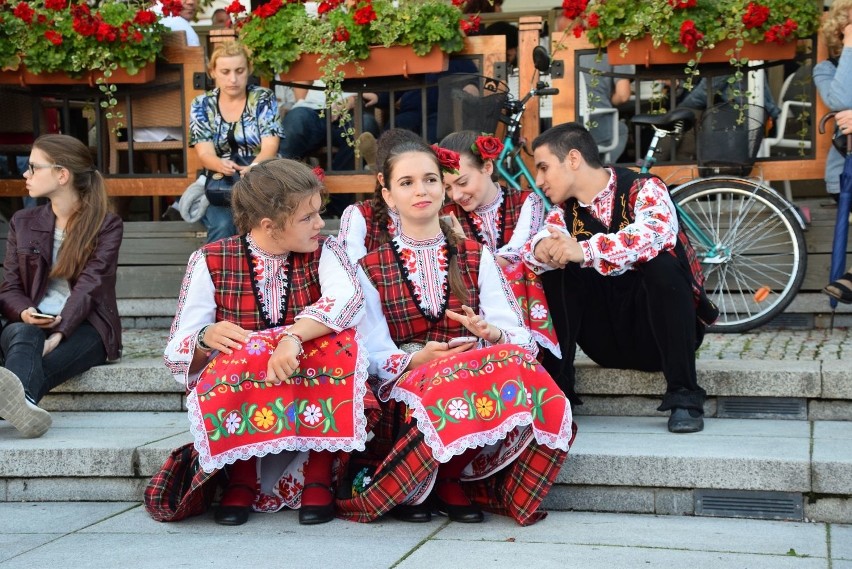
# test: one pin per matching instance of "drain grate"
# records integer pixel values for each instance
(749, 504)
(762, 408)
(790, 321)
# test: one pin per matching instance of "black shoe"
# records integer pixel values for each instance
(470, 514)
(418, 514)
(311, 515)
(686, 420)
(232, 515)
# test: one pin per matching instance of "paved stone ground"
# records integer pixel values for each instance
(809, 345)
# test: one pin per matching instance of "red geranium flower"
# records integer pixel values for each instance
(572, 9)
(23, 12)
(145, 18)
(755, 16)
(53, 37)
(235, 7)
(55, 5)
(172, 7)
(682, 4)
(365, 15)
(341, 34)
(689, 35)
(471, 25)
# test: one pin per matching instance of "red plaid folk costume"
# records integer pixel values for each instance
(358, 240)
(226, 270)
(402, 459)
(524, 282)
(643, 318)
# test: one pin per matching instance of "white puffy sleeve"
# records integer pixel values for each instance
(498, 306)
(353, 233)
(342, 302)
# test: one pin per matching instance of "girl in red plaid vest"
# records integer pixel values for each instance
(261, 341)
(454, 415)
(366, 225)
(501, 219)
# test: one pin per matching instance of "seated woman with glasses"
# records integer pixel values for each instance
(58, 291)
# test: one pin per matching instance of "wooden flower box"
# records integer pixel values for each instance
(382, 62)
(24, 78)
(641, 51)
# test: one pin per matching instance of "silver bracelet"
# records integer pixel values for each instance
(294, 338)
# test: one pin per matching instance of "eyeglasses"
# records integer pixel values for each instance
(33, 167)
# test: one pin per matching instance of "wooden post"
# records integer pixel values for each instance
(529, 36)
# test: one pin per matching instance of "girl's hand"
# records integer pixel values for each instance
(283, 362)
(43, 323)
(473, 322)
(50, 343)
(435, 351)
(225, 337)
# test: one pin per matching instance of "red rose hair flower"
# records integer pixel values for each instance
(487, 147)
(319, 173)
(448, 159)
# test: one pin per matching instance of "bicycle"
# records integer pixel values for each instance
(749, 239)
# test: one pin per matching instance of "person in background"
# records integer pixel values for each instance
(833, 78)
(182, 22)
(58, 291)
(220, 19)
(448, 424)
(618, 273)
(606, 93)
(270, 307)
(366, 225)
(233, 115)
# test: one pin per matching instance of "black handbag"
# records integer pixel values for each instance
(218, 186)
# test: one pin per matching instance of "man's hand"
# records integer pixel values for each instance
(50, 343)
(558, 249)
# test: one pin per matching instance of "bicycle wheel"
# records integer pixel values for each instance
(751, 247)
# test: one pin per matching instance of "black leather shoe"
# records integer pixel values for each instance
(470, 514)
(418, 514)
(686, 421)
(232, 515)
(311, 515)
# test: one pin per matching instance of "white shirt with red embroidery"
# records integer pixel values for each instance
(427, 270)
(340, 306)
(353, 231)
(654, 230)
(488, 222)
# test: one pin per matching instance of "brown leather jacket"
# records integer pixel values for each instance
(29, 255)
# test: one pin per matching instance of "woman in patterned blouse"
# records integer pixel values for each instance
(453, 416)
(261, 342)
(232, 126)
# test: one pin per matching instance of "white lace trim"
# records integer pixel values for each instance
(442, 453)
(210, 463)
(545, 343)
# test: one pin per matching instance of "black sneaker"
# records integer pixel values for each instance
(686, 421)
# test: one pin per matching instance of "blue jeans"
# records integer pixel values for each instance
(219, 221)
(22, 345)
(304, 132)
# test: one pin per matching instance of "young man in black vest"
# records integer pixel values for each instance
(620, 282)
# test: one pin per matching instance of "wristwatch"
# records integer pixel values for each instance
(200, 341)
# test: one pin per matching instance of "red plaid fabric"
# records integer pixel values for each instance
(510, 211)
(376, 236)
(401, 461)
(180, 488)
(404, 318)
(228, 264)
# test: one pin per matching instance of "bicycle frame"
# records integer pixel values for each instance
(512, 147)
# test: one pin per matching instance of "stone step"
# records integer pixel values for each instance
(790, 374)
(618, 464)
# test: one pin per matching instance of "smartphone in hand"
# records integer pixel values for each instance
(42, 316)
(462, 340)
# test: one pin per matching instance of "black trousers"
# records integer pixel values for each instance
(643, 319)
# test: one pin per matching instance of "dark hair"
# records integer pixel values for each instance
(457, 286)
(84, 225)
(386, 141)
(481, 6)
(462, 142)
(503, 29)
(563, 138)
(274, 189)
